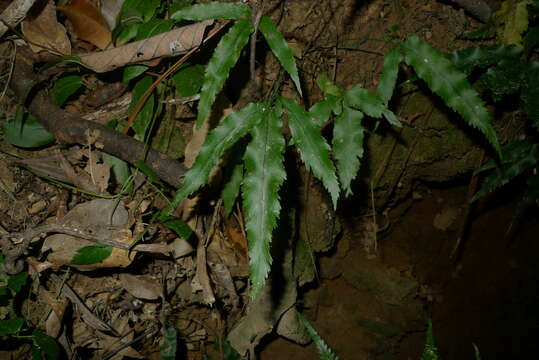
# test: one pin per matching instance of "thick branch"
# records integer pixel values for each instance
(69, 128)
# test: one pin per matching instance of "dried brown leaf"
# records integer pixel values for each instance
(44, 32)
(142, 286)
(88, 23)
(170, 43)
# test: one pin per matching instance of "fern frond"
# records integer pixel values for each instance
(313, 148)
(505, 78)
(213, 10)
(390, 71)
(323, 349)
(451, 85)
(280, 49)
(369, 103)
(232, 188)
(518, 156)
(228, 132)
(348, 145)
(482, 56)
(264, 176)
(430, 352)
(320, 111)
(224, 57)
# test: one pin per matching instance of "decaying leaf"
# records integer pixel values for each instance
(44, 32)
(142, 286)
(174, 42)
(88, 23)
(104, 218)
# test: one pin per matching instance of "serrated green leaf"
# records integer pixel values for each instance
(313, 148)
(145, 116)
(188, 80)
(320, 111)
(92, 254)
(280, 49)
(231, 189)
(26, 132)
(264, 176)
(46, 345)
(214, 10)
(11, 326)
(323, 349)
(348, 146)
(17, 281)
(65, 87)
(451, 85)
(390, 71)
(482, 56)
(170, 344)
(180, 227)
(224, 57)
(503, 79)
(228, 132)
(518, 156)
(430, 352)
(369, 103)
(327, 86)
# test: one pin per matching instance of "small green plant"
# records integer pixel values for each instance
(505, 70)
(263, 160)
(13, 325)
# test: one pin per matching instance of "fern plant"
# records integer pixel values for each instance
(335, 166)
(505, 70)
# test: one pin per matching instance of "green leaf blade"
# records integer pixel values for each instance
(11, 326)
(313, 148)
(213, 10)
(264, 176)
(65, 87)
(518, 157)
(231, 129)
(369, 103)
(348, 146)
(451, 85)
(144, 118)
(17, 281)
(482, 56)
(324, 350)
(224, 57)
(26, 132)
(390, 71)
(231, 189)
(46, 345)
(280, 49)
(92, 254)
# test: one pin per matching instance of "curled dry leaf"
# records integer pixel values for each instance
(44, 32)
(141, 286)
(170, 43)
(94, 216)
(88, 23)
